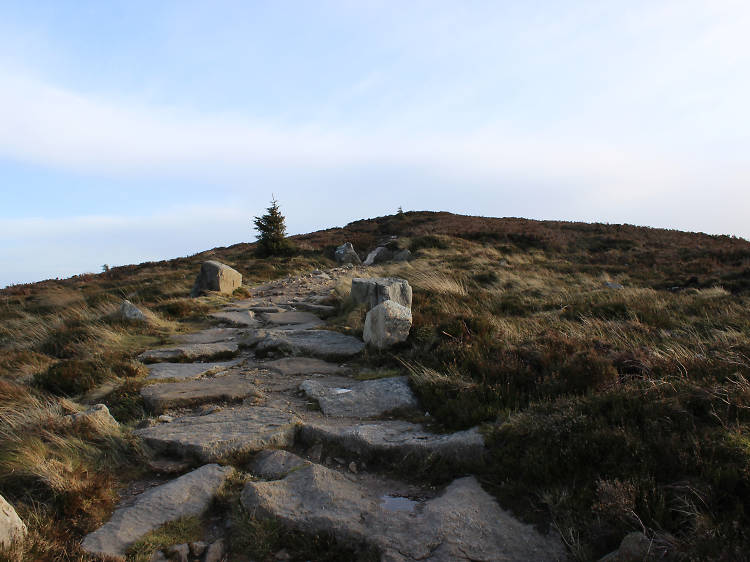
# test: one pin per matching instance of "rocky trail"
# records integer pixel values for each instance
(271, 392)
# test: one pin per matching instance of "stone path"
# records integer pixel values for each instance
(317, 438)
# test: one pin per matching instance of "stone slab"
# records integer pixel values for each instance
(160, 371)
(188, 495)
(230, 431)
(293, 317)
(242, 318)
(273, 465)
(229, 388)
(361, 399)
(393, 440)
(190, 352)
(321, 310)
(210, 335)
(323, 344)
(463, 523)
(290, 366)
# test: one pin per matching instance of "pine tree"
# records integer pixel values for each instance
(272, 232)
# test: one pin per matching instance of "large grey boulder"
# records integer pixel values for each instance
(361, 399)
(229, 388)
(12, 529)
(371, 291)
(387, 324)
(323, 344)
(230, 431)
(191, 352)
(186, 371)
(216, 276)
(392, 441)
(380, 254)
(188, 495)
(463, 523)
(346, 254)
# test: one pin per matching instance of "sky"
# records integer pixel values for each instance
(139, 130)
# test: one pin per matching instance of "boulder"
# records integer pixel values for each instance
(130, 313)
(215, 276)
(387, 324)
(188, 495)
(380, 254)
(371, 291)
(345, 254)
(12, 529)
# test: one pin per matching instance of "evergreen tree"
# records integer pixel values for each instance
(272, 232)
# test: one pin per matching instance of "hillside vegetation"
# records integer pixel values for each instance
(608, 364)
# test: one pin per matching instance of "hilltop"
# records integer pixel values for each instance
(606, 365)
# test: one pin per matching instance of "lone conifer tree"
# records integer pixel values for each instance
(272, 232)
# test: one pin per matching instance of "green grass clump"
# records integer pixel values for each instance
(180, 531)
(73, 376)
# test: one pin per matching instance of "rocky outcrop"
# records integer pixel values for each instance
(387, 324)
(230, 431)
(215, 276)
(371, 291)
(189, 495)
(229, 388)
(12, 529)
(362, 399)
(346, 254)
(463, 523)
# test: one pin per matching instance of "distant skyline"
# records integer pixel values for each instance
(135, 131)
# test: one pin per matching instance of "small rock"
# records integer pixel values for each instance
(282, 555)
(98, 416)
(403, 255)
(11, 527)
(315, 453)
(179, 552)
(197, 548)
(165, 418)
(387, 324)
(612, 285)
(346, 255)
(130, 313)
(215, 552)
(353, 467)
(216, 276)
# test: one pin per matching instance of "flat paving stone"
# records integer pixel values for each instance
(267, 309)
(273, 465)
(210, 335)
(230, 431)
(160, 371)
(394, 440)
(245, 318)
(361, 399)
(229, 388)
(291, 366)
(321, 310)
(317, 343)
(188, 495)
(290, 317)
(190, 352)
(463, 523)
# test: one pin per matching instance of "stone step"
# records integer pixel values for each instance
(188, 495)
(322, 310)
(191, 352)
(323, 344)
(210, 335)
(229, 388)
(361, 399)
(462, 523)
(236, 317)
(292, 317)
(393, 442)
(290, 366)
(160, 371)
(230, 431)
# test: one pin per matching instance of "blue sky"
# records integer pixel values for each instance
(134, 131)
